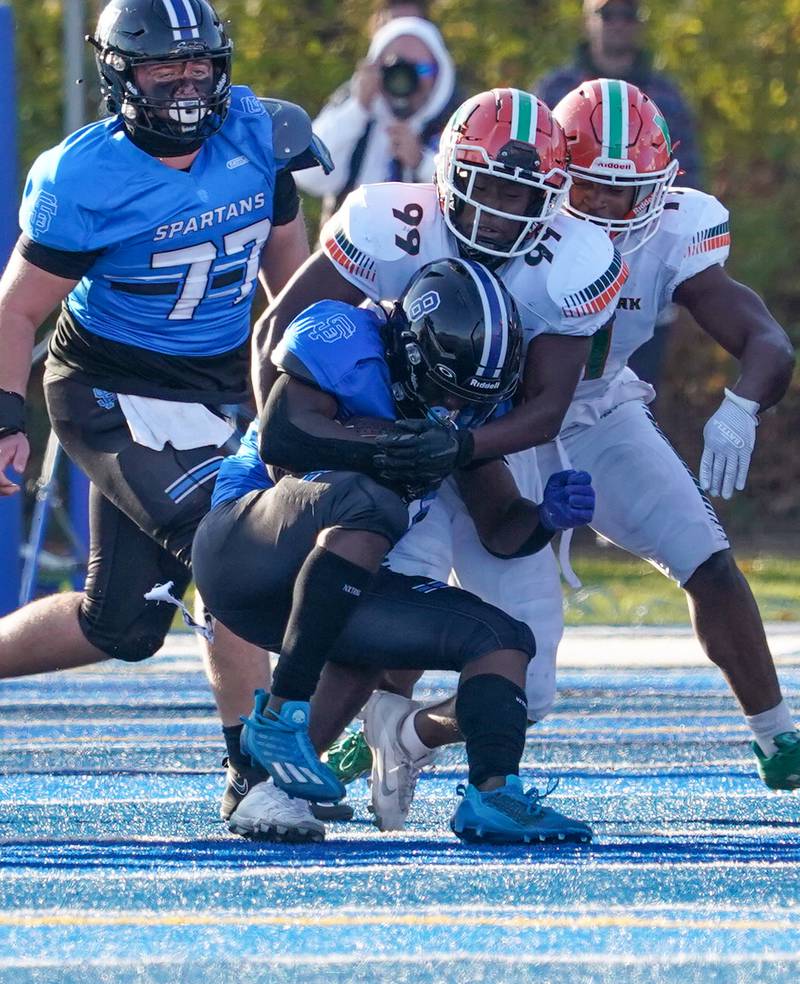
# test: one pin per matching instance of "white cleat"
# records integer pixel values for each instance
(267, 813)
(394, 770)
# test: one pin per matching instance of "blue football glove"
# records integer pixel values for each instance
(568, 501)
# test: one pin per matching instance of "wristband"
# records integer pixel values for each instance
(12, 413)
(466, 448)
(749, 406)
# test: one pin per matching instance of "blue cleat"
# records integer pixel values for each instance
(279, 743)
(513, 815)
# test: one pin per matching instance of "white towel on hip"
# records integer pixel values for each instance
(153, 423)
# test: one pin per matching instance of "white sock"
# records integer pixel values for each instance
(411, 741)
(776, 721)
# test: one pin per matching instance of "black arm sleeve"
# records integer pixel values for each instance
(537, 541)
(283, 444)
(285, 200)
(59, 262)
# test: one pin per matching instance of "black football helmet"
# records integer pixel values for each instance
(455, 330)
(131, 33)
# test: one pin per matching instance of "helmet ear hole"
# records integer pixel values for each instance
(463, 339)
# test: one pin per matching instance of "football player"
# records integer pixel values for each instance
(500, 183)
(151, 227)
(292, 561)
(676, 242)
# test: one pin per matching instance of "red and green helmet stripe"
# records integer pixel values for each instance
(615, 118)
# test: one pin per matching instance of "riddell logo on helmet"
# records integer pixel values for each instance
(613, 164)
(484, 384)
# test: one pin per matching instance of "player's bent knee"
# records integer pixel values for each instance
(719, 569)
(120, 636)
(502, 633)
(363, 503)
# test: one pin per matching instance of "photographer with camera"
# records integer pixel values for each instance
(384, 124)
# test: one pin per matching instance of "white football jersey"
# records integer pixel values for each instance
(693, 235)
(383, 233)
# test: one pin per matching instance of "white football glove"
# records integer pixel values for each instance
(730, 436)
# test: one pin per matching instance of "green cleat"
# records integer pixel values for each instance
(781, 770)
(349, 757)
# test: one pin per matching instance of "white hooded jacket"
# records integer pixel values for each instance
(343, 121)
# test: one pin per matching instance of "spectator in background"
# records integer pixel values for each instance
(384, 124)
(613, 49)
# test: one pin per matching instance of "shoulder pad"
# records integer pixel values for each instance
(294, 143)
(688, 211)
(326, 342)
(371, 218)
(587, 272)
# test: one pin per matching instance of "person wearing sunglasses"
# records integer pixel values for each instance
(384, 124)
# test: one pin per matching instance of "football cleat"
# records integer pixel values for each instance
(239, 780)
(513, 815)
(341, 812)
(394, 771)
(781, 770)
(279, 742)
(267, 813)
(349, 757)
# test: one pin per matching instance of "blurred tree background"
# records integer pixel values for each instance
(738, 65)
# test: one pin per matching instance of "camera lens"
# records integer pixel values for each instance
(400, 78)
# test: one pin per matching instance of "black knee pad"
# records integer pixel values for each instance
(492, 713)
(130, 629)
(364, 504)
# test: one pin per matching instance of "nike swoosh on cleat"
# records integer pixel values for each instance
(241, 790)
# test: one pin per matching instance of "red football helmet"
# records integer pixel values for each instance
(617, 136)
(511, 135)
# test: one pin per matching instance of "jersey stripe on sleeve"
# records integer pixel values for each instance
(709, 239)
(342, 251)
(598, 295)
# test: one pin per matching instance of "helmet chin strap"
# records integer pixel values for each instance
(159, 145)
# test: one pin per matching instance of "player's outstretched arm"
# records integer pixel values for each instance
(510, 525)
(738, 319)
(316, 280)
(553, 367)
(27, 295)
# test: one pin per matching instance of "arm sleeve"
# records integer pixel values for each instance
(285, 200)
(60, 262)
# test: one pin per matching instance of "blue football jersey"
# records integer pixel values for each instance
(179, 251)
(341, 350)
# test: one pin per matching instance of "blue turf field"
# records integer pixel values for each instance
(114, 867)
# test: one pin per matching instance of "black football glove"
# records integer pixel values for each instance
(421, 453)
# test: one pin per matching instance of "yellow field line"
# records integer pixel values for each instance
(455, 921)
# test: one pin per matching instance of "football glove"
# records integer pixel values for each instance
(568, 501)
(422, 453)
(730, 436)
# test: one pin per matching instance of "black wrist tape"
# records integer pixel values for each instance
(12, 413)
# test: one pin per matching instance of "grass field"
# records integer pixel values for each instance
(621, 590)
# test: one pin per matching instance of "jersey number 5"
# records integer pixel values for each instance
(200, 259)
